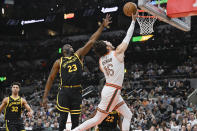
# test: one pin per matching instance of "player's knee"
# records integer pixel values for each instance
(128, 116)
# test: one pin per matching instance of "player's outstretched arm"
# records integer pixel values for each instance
(28, 108)
(123, 46)
(86, 48)
(3, 104)
(50, 80)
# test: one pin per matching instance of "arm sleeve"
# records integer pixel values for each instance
(129, 33)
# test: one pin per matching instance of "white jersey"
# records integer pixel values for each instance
(112, 68)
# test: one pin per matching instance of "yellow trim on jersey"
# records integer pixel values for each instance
(113, 112)
(79, 59)
(97, 129)
(75, 110)
(23, 130)
(6, 107)
(70, 57)
(60, 109)
(15, 98)
(6, 125)
(60, 72)
(72, 86)
(59, 105)
(76, 113)
(21, 105)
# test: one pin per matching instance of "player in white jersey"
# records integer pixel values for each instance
(112, 65)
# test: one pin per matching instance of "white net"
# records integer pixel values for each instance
(146, 24)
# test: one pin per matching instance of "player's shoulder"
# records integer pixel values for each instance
(58, 61)
(23, 100)
(5, 100)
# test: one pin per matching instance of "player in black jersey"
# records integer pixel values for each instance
(70, 66)
(13, 108)
(110, 122)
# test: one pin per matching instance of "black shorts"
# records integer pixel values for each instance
(15, 125)
(108, 129)
(69, 100)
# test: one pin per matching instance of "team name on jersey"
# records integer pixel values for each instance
(106, 61)
(14, 103)
(70, 61)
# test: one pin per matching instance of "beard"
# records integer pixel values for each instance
(70, 52)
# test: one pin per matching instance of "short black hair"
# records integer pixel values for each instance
(100, 48)
(16, 83)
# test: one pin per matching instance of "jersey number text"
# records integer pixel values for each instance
(110, 119)
(14, 109)
(72, 68)
(109, 71)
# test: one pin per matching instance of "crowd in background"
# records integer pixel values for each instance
(156, 85)
(155, 104)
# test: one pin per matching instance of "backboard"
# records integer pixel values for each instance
(153, 7)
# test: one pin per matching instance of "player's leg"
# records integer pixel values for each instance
(62, 121)
(63, 107)
(108, 98)
(123, 109)
(75, 120)
(97, 119)
(75, 108)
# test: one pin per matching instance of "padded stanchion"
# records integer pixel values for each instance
(181, 8)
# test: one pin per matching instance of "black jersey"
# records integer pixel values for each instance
(110, 121)
(70, 70)
(13, 109)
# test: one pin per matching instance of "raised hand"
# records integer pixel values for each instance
(107, 20)
(134, 16)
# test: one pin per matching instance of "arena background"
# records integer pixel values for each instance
(160, 73)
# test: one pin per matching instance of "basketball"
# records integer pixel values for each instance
(129, 9)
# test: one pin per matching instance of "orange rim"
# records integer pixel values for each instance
(141, 10)
(146, 16)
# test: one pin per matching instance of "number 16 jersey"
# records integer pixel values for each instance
(112, 68)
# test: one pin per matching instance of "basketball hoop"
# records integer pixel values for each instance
(146, 22)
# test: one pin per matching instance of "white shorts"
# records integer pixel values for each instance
(110, 99)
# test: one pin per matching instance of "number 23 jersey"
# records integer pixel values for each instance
(70, 70)
(112, 68)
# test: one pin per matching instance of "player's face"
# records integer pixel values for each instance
(15, 89)
(68, 49)
(109, 45)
